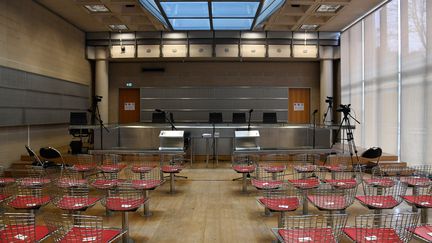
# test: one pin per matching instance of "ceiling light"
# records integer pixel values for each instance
(309, 27)
(328, 8)
(97, 8)
(118, 27)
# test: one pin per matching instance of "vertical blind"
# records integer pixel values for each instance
(371, 50)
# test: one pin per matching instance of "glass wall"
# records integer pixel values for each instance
(391, 51)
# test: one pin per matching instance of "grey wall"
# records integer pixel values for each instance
(29, 99)
(260, 75)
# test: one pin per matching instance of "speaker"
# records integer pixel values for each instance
(269, 117)
(239, 118)
(215, 117)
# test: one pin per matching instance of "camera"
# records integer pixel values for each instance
(329, 100)
(346, 109)
(97, 98)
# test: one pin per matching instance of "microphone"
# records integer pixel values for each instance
(315, 111)
(159, 110)
(251, 110)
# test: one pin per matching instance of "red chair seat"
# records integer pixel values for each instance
(380, 182)
(307, 235)
(68, 182)
(106, 183)
(305, 168)
(244, 168)
(260, 184)
(4, 181)
(341, 183)
(24, 233)
(305, 183)
(121, 204)
(29, 202)
(281, 204)
(84, 167)
(378, 202)
(145, 184)
(3, 197)
(416, 181)
(377, 235)
(111, 168)
(86, 234)
(171, 168)
(420, 201)
(333, 202)
(424, 232)
(76, 203)
(274, 168)
(33, 182)
(142, 169)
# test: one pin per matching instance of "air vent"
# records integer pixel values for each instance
(295, 5)
(130, 5)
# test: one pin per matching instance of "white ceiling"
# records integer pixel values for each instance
(130, 12)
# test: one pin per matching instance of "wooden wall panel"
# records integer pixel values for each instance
(301, 113)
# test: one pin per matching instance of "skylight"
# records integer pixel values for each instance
(212, 14)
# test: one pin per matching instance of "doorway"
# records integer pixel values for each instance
(129, 106)
(299, 105)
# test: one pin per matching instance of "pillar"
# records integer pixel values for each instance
(101, 81)
(326, 82)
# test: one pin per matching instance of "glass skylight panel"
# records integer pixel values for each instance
(152, 7)
(185, 9)
(269, 7)
(234, 9)
(232, 24)
(190, 24)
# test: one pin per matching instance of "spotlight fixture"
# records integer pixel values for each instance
(309, 27)
(328, 8)
(118, 27)
(97, 8)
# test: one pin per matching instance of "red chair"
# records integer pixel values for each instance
(327, 198)
(421, 200)
(311, 228)
(110, 165)
(36, 176)
(378, 198)
(84, 165)
(74, 199)
(172, 167)
(344, 179)
(145, 180)
(423, 233)
(263, 180)
(70, 177)
(379, 179)
(244, 165)
(4, 181)
(304, 179)
(81, 228)
(124, 199)
(285, 199)
(30, 198)
(382, 228)
(21, 227)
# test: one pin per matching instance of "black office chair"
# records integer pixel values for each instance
(52, 153)
(238, 118)
(158, 117)
(215, 117)
(36, 161)
(78, 119)
(269, 117)
(372, 154)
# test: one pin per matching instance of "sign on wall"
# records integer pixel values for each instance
(129, 106)
(298, 106)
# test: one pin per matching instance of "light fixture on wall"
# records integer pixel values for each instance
(328, 8)
(118, 27)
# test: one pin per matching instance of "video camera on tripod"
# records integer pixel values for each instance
(329, 100)
(345, 109)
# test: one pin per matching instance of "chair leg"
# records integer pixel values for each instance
(125, 227)
(172, 181)
(267, 212)
(244, 189)
(281, 218)
(147, 212)
(424, 216)
(305, 203)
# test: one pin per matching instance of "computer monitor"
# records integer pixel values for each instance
(215, 117)
(269, 117)
(78, 118)
(238, 118)
(158, 117)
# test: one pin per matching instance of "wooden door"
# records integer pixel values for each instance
(129, 106)
(299, 105)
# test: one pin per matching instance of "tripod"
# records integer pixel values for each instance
(329, 100)
(97, 117)
(345, 109)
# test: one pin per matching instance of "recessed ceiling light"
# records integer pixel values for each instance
(309, 27)
(118, 27)
(328, 8)
(97, 8)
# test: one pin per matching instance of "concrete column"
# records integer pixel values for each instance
(326, 81)
(102, 82)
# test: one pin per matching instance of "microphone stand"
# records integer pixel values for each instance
(314, 128)
(249, 122)
(170, 120)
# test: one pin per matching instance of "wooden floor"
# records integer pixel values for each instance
(207, 207)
